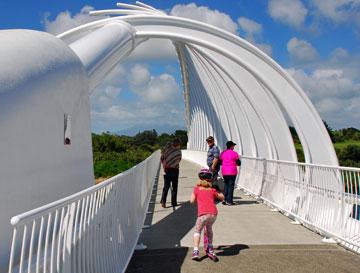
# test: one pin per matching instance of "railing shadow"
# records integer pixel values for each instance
(168, 232)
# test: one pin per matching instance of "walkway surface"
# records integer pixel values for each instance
(249, 237)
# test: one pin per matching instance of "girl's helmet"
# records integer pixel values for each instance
(205, 174)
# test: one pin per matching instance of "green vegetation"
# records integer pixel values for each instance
(113, 154)
(346, 142)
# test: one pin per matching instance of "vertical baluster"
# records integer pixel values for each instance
(31, 247)
(351, 204)
(357, 182)
(112, 251)
(103, 228)
(47, 234)
(66, 229)
(347, 201)
(39, 245)
(53, 241)
(83, 244)
(12, 251)
(80, 239)
(92, 229)
(58, 254)
(96, 245)
(85, 231)
(23, 249)
(75, 242)
(89, 233)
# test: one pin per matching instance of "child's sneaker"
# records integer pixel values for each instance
(211, 254)
(195, 255)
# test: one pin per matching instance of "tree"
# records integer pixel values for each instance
(330, 131)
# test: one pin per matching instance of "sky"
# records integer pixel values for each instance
(316, 41)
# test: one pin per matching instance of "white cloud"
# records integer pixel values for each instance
(206, 15)
(162, 89)
(253, 31)
(301, 51)
(265, 48)
(64, 21)
(153, 89)
(289, 12)
(335, 95)
(154, 98)
(249, 26)
(139, 75)
(338, 11)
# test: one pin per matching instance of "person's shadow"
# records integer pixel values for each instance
(230, 250)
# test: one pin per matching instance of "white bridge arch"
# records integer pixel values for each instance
(232, 90)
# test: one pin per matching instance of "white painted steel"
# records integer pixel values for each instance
(41, 80)
(113, 42)
(266, 87)
(323, 198)
(232, 90)
(95, 230)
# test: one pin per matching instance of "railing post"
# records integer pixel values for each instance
(263, 176)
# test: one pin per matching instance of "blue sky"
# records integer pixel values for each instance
(316, 41)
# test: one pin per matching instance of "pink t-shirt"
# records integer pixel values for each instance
(228, 158)
(205, 198)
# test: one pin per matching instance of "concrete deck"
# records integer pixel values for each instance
(248, 236)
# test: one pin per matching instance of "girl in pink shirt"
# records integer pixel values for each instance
(230, 161)
(205, 197)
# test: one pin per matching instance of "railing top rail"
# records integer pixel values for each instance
(305, 164)
(34, 213)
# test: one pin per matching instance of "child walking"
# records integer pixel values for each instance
(205, 197)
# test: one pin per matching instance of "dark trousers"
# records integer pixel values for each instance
(229, 181)
(171, 177)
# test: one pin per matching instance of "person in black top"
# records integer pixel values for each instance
(170, 159)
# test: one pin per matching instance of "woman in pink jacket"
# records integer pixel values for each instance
(230, 160)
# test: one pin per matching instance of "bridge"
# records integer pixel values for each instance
(232, 90)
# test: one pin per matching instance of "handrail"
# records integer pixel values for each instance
(68, 235)
(325, 199)
(304, 164)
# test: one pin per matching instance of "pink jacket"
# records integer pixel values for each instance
(228, 158)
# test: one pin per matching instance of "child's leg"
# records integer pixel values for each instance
(209, 223)
(200, 223)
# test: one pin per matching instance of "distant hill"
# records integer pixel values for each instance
(160, 129)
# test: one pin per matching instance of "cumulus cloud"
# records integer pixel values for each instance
(206, 15)
(334, 94)
(301, 51)
(338, 11)
(153, 89)
(250, 27)
(142, 99)
(253, 33)
(265, 48)
(289, 12)
(65, 21)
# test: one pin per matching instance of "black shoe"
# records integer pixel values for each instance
(163, 204)
(224, 203)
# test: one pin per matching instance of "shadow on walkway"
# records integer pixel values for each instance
(168, 232)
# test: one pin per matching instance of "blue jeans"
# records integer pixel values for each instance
(229, 181)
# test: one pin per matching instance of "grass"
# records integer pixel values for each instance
(342, 145)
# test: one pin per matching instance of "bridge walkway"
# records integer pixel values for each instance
(249, 237)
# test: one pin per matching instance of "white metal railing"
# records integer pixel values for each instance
(95, 230)
(323, 198)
